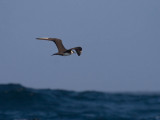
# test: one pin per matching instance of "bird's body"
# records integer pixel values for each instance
(61, 49)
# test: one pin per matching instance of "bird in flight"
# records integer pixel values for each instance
(61, 49)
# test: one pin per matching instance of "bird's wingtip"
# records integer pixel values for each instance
(42, 38)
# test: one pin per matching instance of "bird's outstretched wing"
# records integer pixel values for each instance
(58, 43)
(78, 50)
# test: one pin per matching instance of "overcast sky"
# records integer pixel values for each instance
(120, 41)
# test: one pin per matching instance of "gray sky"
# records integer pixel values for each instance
(120, 41)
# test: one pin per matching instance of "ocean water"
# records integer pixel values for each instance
(20, 103)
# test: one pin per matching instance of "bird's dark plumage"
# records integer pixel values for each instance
(61, 49)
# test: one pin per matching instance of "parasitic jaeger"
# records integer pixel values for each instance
(61, 49)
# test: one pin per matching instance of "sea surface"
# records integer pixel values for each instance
(20, 103)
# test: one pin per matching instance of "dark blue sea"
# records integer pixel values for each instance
(20, 103)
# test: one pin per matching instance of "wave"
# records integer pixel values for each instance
(48, 103)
